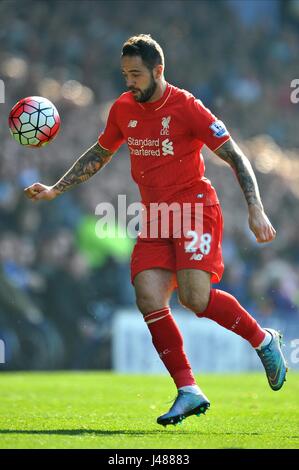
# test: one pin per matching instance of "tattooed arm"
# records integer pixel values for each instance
(233, 155)
(258, 221)
(86, 166)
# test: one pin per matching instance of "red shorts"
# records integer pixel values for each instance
(200, 250)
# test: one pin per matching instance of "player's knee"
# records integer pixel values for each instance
(147, 303)
(195, 301)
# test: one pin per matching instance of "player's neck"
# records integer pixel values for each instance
(161, 87)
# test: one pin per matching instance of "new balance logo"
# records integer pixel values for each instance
(196, 257)
(132, 123)
(167, 147)
(236, 323)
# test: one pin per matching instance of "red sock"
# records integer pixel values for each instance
(168, 342)
(224, 309)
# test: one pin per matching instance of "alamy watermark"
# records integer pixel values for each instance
(2, 352)
(295, 351)
(154, 220)
(2, 92)
(295, 93)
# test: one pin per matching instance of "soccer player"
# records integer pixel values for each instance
(165, 128)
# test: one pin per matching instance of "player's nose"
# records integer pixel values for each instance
(131, 84)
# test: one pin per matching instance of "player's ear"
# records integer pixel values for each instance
(158, 71)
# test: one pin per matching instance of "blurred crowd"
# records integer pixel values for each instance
(60, 283)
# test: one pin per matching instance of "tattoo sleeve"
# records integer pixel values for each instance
(86, 166)
(233, 155)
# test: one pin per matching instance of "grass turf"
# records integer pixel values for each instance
(106, 410)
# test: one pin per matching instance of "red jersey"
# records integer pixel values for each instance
(165, 139)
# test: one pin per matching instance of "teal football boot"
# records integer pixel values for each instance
(185, 404)
(273, 360)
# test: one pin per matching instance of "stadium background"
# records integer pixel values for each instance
(60, 285)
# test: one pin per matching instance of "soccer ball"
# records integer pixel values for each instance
(34, 121)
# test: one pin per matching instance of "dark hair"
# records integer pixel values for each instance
(146, 47)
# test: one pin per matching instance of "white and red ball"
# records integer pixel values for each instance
(34, 121)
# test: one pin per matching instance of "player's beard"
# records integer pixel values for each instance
(145, 95)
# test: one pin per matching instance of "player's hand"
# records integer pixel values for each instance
(38, 191)
(260, 225)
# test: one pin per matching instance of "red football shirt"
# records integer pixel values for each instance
(164, 140)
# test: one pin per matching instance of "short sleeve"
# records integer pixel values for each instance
(112, 138)
(205, 126)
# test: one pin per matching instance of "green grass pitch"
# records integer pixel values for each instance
(106, 410)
